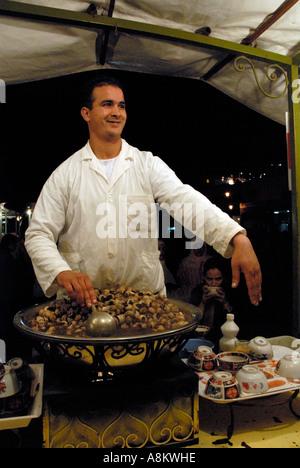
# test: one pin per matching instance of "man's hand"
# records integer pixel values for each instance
(244, 260)
(78, 286)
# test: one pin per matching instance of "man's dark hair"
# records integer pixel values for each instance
(86, 99)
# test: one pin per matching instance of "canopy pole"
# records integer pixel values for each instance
(294, 119)
(106, 33)
(266, 24)
(86, 21)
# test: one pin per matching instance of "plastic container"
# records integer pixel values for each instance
(230, 331)
(35, 410)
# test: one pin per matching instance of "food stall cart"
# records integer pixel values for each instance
(138, 394)
(260, 70)
(158, 406)
(122, 35)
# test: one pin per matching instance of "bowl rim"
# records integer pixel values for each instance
(204, 351)
(222, 376)
(232, 353)
(291, 358)
(261, 343)
(20, 323)
(256, 375)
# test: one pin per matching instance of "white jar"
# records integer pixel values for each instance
(230, 331)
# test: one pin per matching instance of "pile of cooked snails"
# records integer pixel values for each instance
(133, 310)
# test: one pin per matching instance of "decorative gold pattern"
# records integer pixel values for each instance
(135, 413)
(278, 70)
(126, 431)
(75, 434)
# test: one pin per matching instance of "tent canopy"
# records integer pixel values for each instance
(42, 39)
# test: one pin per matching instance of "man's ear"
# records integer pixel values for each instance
(85, 113)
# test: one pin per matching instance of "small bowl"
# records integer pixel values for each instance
(260, 349)
(252, 380)
(192, 344)
(232, 361)
(203, 359)
(201, 330)
(289, 366)
(212, 291)
(222, 386)
(9, 384)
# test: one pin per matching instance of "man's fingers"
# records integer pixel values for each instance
(245, 261)
(78, 286)
(236, 275)
(253, 282)
(254, 287)
(69, 288)
(86, 293)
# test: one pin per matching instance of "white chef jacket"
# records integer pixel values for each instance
(108, 228)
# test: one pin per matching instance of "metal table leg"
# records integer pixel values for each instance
(291, 401)
(230, 428)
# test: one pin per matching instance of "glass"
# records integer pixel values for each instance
(242, 346)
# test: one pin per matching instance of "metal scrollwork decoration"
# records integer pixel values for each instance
(271, 75)
(110, 360)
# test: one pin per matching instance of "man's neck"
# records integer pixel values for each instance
(106, 149)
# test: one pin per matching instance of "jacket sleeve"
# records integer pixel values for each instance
(47, 221)
(192, 209)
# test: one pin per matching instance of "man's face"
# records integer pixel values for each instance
(108, 116)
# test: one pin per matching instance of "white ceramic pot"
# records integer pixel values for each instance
(260, 348)
(203, 359)
(289, 366)
(222, 386)
(252, 380)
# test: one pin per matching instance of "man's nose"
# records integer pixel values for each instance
(116, 110)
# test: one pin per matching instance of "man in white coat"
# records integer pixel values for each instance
(94, 223)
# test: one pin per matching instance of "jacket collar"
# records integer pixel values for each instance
(122, 163)
(87, 152)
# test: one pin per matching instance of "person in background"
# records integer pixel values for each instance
(190, 270)
(211, 296)
(81, 234)
(170, 281)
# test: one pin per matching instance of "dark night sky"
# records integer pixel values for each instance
(196, 129)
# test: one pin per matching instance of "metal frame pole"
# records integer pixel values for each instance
(294, 118)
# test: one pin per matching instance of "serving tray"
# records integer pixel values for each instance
(35, 409)
(277, 384)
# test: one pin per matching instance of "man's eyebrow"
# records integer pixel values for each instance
(111, 101)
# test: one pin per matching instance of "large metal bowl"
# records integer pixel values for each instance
(107, 356)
